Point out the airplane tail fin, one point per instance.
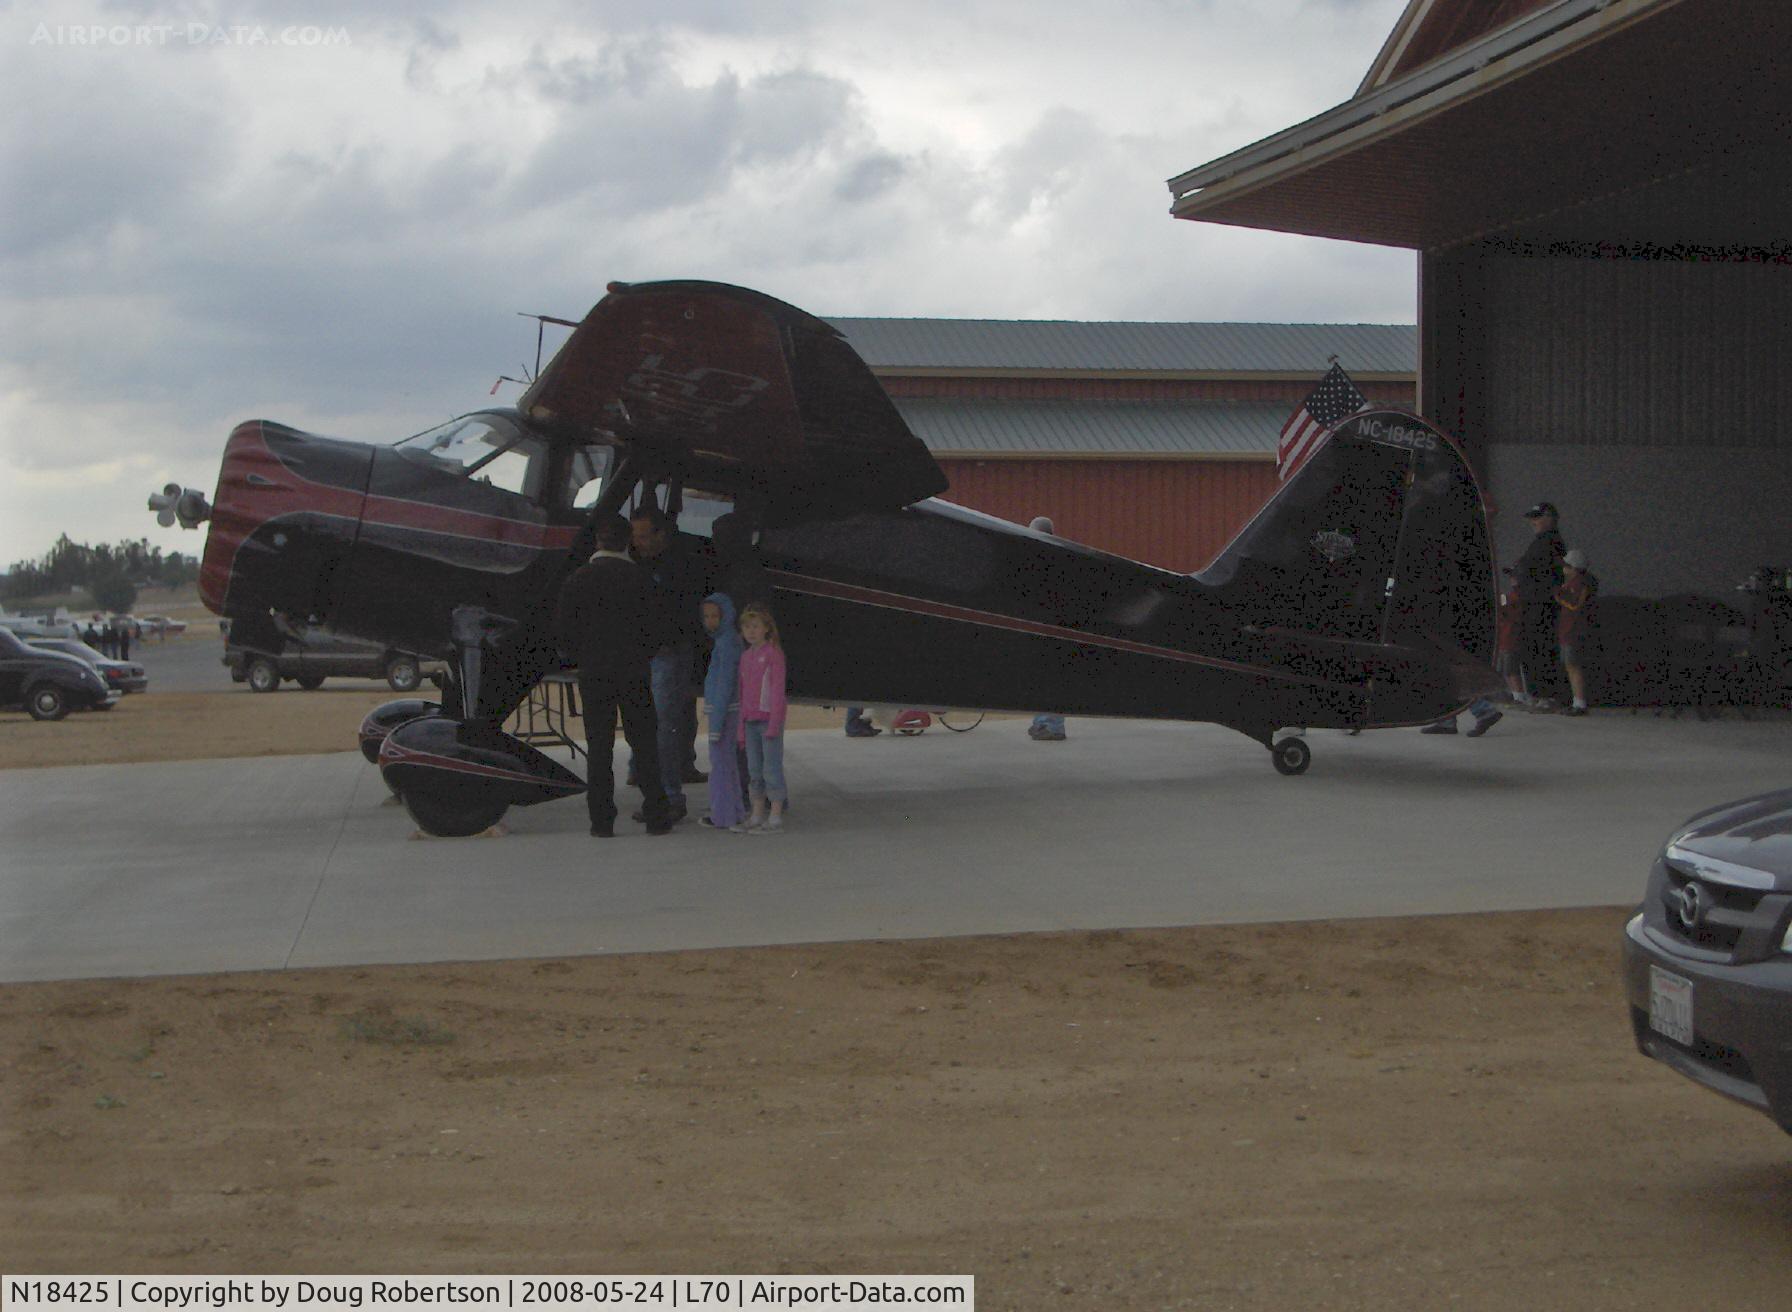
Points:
(1381, 536)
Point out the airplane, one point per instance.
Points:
(1360, 596)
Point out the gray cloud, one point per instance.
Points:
(210, 237)
(93, 144)
(869, 177)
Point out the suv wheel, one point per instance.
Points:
(310, 682)
(403, 673)
(46, 702)
(263, 675)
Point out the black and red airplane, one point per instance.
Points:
(1360, 596)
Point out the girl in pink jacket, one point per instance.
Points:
(762, 708)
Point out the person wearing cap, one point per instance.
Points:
(1505, 662)
(1539, 575)
(1578, 589)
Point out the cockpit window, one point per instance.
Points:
(585, 477)
(484, 448)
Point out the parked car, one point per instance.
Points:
(319, 655)
(160, 626)
(1708, 955)
(126, 676)
(23, 627)
(48, 684)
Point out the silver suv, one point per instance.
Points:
(1708, 955)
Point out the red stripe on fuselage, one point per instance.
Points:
(241, 507)
(991, 619)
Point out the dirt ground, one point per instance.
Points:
(1404, 1113)
(1443, 1112)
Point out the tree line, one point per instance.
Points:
(110, 573)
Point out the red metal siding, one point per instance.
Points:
(1450, 27)
(1176, 514)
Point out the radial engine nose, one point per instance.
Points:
(185, 504)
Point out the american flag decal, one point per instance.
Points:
(1327, 406)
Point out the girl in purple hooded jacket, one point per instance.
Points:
(762, 709)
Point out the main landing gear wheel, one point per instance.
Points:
(453, 812)
(1291, 756)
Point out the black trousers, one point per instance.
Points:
(1537, 648)
(602, 696)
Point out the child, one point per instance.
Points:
(1578, 589)
(721, 706)
(762, 708)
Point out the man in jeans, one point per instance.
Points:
(678, 587)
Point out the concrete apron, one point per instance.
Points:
(279, 862)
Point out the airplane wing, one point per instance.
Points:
(734, 390)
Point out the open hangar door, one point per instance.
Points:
(1630, 359)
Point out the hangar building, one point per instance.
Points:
(1151, 440)
(1598, 191)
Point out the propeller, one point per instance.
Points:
(184, 505)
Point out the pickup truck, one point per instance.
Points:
(316, 655)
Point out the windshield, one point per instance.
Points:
(488, 448)
(461, 445)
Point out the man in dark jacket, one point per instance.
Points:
(741, 575)
(607, 622)
(678, 591)
(1539, 575)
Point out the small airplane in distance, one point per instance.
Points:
(1360, 596)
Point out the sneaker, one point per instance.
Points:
(1485, 723)
(773, 825)
(708, 823)
(603, 831)
(863, 731)
(1575, 710)
(693, 775)
(747, 826)
(1442, 726)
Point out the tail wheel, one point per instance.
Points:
(46, 702)
(453, 811)
(263, 675)
(1291, 756)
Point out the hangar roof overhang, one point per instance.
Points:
(1581, 101)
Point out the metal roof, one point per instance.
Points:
(1138, 429)
(1296, 349)
(1568, 105)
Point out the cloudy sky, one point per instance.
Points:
(296, 211)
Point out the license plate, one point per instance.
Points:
(1670, 1006)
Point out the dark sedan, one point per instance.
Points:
(126, 676)
(1708, 956)
(48, 684)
